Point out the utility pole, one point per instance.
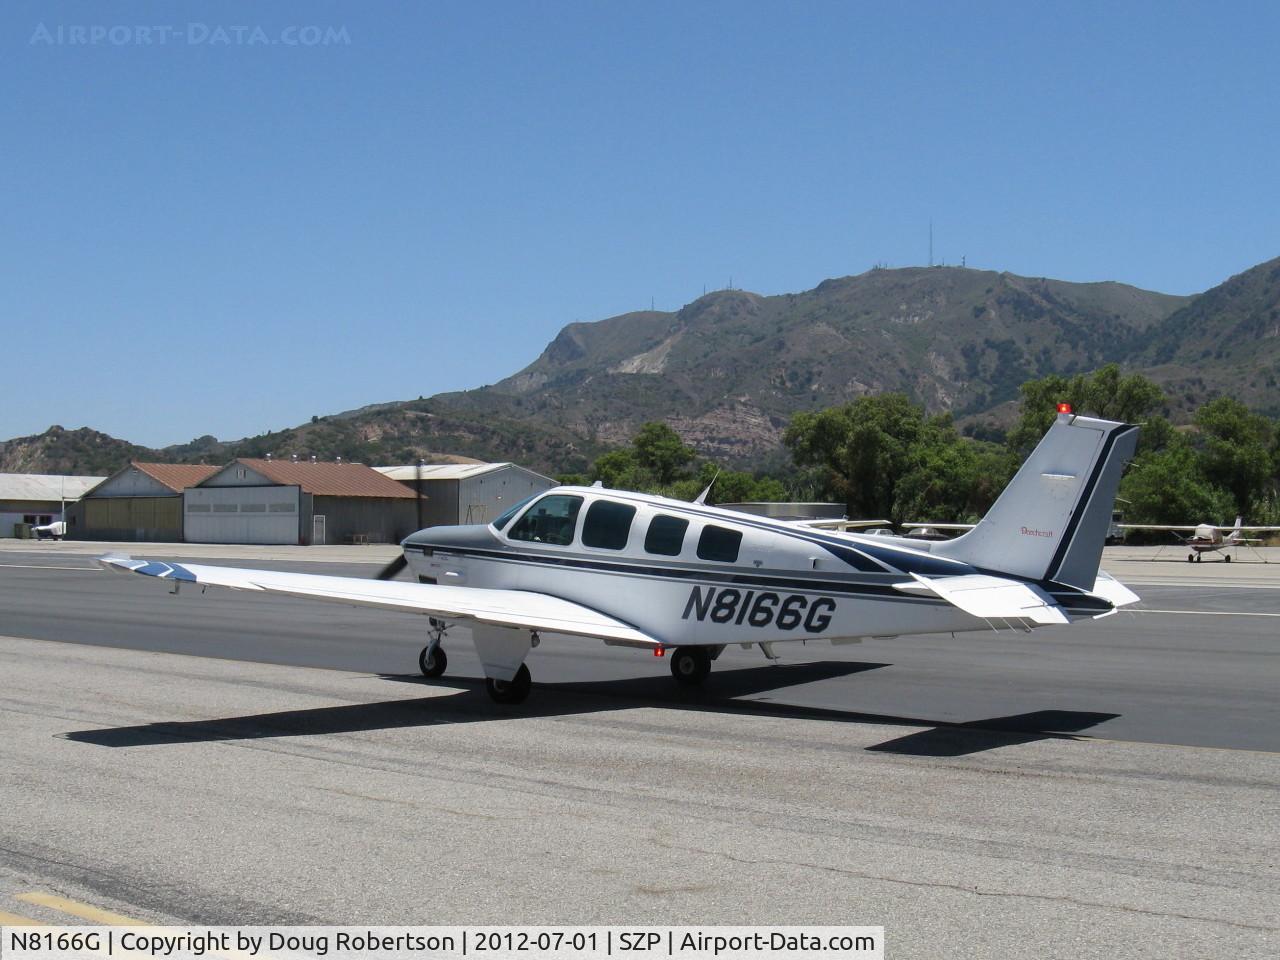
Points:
(931, 241)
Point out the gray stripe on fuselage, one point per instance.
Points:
(700, 576)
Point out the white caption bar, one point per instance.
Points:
(445, 943)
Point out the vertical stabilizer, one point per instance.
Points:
(1051, 521)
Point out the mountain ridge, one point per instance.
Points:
(730, 368)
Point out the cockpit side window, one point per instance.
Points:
(551, 520)
(719, 543)
(666, 535)
(608, 525)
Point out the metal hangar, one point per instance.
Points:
(297, 502)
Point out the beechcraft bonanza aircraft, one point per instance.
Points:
(657, 574)
(1207, 538)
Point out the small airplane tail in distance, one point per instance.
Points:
(1050, 523)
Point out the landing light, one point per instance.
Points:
(659, 651)
(1064, 408)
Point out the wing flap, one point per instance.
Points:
(521, 609)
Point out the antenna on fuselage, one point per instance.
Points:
(701, 499)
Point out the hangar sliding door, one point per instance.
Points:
(241, 515)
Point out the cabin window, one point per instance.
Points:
(608, 525)
(666, 535)
(720, 544)
(550, 520)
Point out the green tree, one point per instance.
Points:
(865, 447)
(1169, 487)
(1236, 452)
(885, 458)
(729, 486)
(621, 470)
(1104, 393)
(659, 449)
(952, 479)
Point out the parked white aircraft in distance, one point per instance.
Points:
(1205, 537)
(656, 574)
(50, 531)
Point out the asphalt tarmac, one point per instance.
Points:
(1108, 789)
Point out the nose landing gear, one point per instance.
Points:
(432, 661)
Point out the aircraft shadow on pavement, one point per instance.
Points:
(471, 704)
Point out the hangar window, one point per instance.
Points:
(282, 508)
(253, 508)
(197, 508)
(720, 544)
(226, 508)
(666, 535)
(550, 520)
(608, 525)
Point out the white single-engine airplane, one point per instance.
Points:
(1207, 538)
(50, 531)
(657, 574)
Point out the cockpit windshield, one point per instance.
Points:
(551, 520)
(501, 521)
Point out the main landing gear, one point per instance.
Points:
(514, 690)
(690, 665)
(433, 661)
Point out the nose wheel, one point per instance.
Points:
(432, 661)
(690, 665)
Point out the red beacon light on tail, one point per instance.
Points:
(1064, 408)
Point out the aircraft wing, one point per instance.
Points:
(829, 524)
(521, 609)
(1163, 526)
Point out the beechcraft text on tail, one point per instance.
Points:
(664, 575)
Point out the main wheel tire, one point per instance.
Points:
(1227, 557)
(1190, 557)
(510, 691)
(690, 665)
(435, 664)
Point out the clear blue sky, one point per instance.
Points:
(228, 237)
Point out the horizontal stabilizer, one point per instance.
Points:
(991, 598)
(1113, 591)
(520, 609)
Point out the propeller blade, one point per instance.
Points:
(392, 569)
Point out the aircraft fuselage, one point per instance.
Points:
(783, 583)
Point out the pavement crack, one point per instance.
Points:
(959, 888)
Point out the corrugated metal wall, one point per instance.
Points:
(360, 519)
(481, 499)
(441, 505)
(149, 519)
(239, 514)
